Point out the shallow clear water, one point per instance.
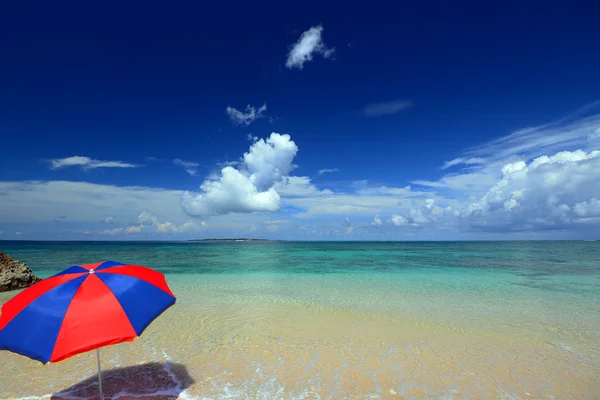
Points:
(359, 319)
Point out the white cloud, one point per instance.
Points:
(60, 218)
(398, 220)
(189, 166)
(565, 134)
(149, 223)
(341, 204)
(36, 201)
(327, 170)
(310, 43)
(555, 191)
(88, 163)
(349, 225)
(386, 108)
(115, 231)
(251, 187)
(277, 222)
(466, 161)
(250, 115)
(425, 213)
(299, 186)
(406, 191)
(473, 182)
(133, 229)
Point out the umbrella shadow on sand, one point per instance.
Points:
(151, 381)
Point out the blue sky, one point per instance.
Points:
(400, 122)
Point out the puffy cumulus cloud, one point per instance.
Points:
(133, 229)
(386, 108)
(551, 192)
(115, 231)
(145, 218)
(554, 194)
(189, 166)
(87, 163)
(425, 213)
(480, 167)
(377, 221)
(398, 220)
(310, 42)
(149, 223)
(299, 186)
(268, 161)
(249, 115)
(250, 187)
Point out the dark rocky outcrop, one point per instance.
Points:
(14, 274)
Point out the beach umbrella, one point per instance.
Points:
(83, 308)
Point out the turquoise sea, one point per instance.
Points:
(535, 302)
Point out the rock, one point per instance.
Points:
(14, 274)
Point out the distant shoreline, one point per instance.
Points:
(234, 240)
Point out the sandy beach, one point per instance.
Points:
(270, 350)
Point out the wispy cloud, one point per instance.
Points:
(310, 42)
(465, 161)
(60, 218)
(386, 108)
(274, 225)
(471, 181)
(189, 166)
(87, 163)
(567, 133)
(250, 115)
(326, 170)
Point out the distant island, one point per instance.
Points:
(233, 240)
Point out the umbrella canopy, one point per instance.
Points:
(83, 308)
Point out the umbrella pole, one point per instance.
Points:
(99, 375)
